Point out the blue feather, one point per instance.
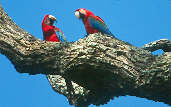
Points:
(100, 26)
(61, 36)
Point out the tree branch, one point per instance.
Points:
(163, 44)
(98, 67)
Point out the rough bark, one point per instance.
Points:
(92, 70)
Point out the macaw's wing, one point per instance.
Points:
(97, 23)
(61, 36)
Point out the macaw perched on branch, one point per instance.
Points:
(93, 24)
(50, 32)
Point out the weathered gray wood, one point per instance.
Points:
(96, 69)
(163, 44)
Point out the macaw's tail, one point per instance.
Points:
(109, 33)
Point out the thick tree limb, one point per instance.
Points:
(97, 68)
(163, 44)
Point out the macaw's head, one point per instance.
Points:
(82, 13)
(49, 20)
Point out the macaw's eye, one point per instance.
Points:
(82, 11)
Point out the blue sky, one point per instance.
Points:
(135, 21)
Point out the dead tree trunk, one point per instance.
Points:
(92, 70)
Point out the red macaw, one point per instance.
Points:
(50, 32)
(93, 24)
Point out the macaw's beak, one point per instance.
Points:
(77, 14)
(51, 22)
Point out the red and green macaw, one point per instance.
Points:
(50, 32)
(93, 24)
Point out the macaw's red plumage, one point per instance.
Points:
(50, 32)
(93, 24)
